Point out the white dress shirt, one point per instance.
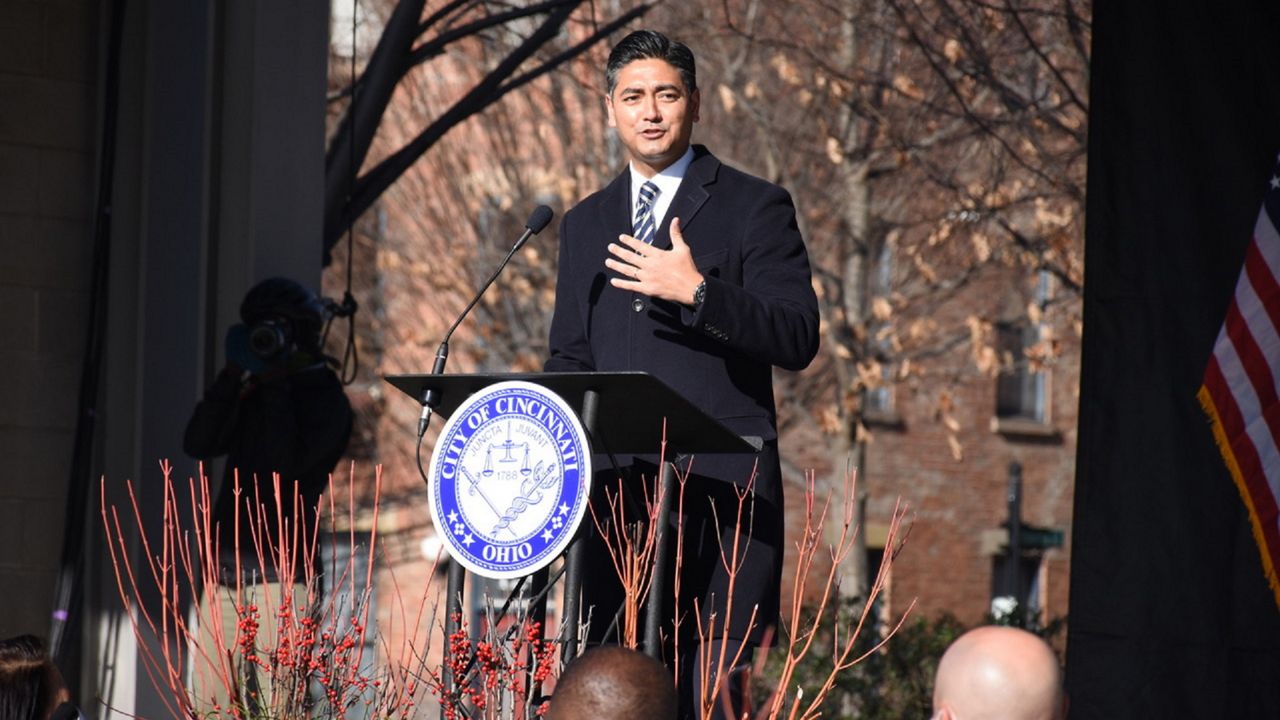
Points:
(668, 181)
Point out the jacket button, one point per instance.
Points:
(637, 305)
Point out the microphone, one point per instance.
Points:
(538, 219)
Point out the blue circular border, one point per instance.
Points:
(470, 418)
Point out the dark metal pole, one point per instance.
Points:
(571, 607)
(658, 587)
(1013, 570)
(453, 618)
(569, 620)
(537, 614)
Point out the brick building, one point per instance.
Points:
(48, 86)
(954, 467)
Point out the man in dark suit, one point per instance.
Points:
(696, 273)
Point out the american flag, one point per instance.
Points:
(1240, 384)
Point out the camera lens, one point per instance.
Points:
(266, 340)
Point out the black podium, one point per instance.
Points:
(623, 413)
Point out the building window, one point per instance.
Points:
(1020, 388)
(878, 400)
(879, 619)
(879, 396)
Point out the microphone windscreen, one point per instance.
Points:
(539, 219)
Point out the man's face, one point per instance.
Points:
(653, 112)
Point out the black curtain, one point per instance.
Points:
(1170, 613)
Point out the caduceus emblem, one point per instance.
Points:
(542, 478)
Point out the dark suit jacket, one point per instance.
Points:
(759, 311)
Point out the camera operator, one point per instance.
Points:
(277, 407)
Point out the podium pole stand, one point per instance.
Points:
(626, 413)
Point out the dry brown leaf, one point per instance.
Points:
(881, 309)
(1047, 216)
(921, 328)
(829, 420)
(940, 233)
(952, 50)
(835, 151)
(945, 402)
(727, 100)
(930, 275)
(786, 69)
(389, 259)
(986, 360)
(981, 246)
(907, 86)
(863, 434)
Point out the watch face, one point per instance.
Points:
(699, 293)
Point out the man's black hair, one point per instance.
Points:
(651, 45)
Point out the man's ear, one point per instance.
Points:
(608, 111)
(695, 103)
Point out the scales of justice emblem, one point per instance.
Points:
(509, 480)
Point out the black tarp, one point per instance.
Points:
(1170, 613)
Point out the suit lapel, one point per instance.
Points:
(691, 196)
(615, 209)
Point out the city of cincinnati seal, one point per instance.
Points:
(509, 480)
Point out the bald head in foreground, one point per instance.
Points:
(998, 673)
(614, 683)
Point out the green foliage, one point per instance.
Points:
(897, 681)
(894, 682)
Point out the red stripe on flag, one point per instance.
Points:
(1272, 415)
(1255, 365)
(1246, 456)
(1263, 282)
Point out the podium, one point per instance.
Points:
(623, 413)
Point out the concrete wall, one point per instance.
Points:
(48, 110)
(219, 184)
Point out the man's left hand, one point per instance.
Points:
(665, 274)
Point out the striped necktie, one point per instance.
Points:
(644, 226)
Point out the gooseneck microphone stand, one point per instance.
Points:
(538, 219)
(430, 399)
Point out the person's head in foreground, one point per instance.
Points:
(31, 688)
(998, 673)
(614, 683)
